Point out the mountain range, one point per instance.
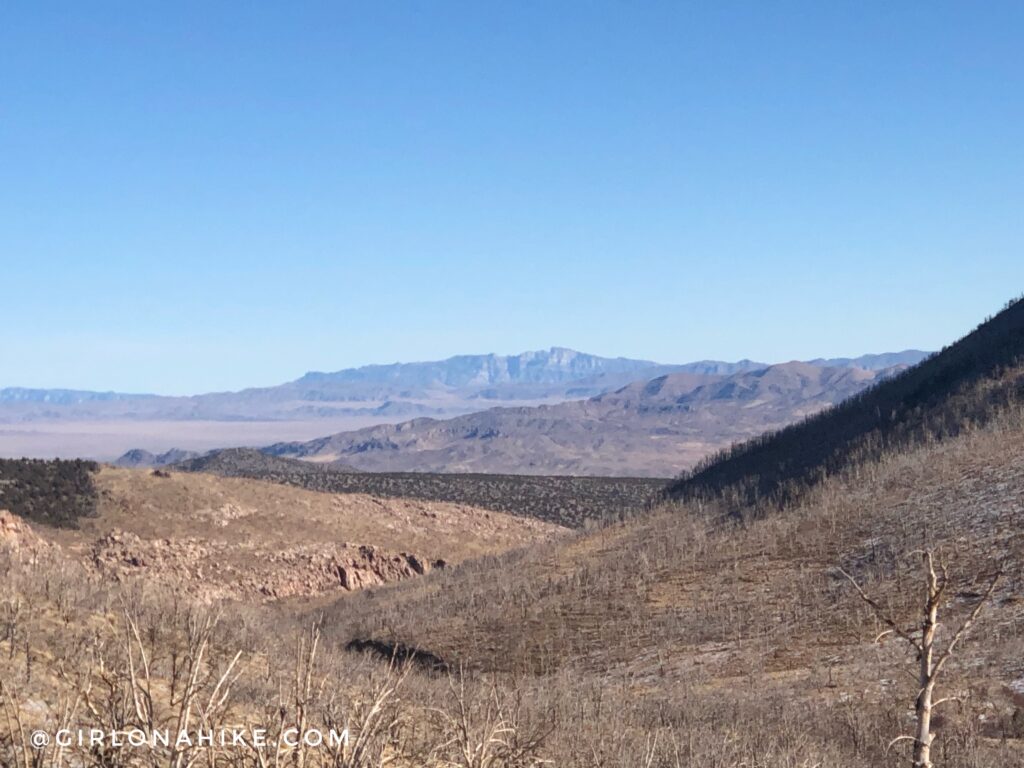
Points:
(455, 385)
(647, 428)
(719, 598)
(458, 384)
(534, 433)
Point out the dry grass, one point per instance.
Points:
(240, 511)
(691, 636)
(696, 613)
(229, 537)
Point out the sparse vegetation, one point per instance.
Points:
(739, 644)
(139, 663)
(704, 633)
(964, 385)
(930, 658)
(565, 500)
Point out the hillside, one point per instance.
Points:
(689, 626)
(665, 641)
(652, 428)
(56, 493)
(966, 384)
(237, 538)
(672, 629)
(568, 501)
(684, 636)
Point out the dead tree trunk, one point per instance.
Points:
(931, 660)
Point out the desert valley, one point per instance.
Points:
(559, 384)
(550, 412)
(526, 619)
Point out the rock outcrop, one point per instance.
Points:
(216, 569)
(17, 535)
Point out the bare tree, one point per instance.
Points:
(488, 732)
(931, 659)
(12, 616)
(370, 718)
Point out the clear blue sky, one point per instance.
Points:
(203, 195)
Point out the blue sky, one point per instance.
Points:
(201, 196)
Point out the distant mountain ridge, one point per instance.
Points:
(965, 385)
(64, 396)
(648, 428)
(37, 421)
(874, 362)
(444, 387)
(137, 458)
(397, 389)
(551, 366)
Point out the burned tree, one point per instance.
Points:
(931, 659)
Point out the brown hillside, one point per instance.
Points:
(694, 617)
(240, 538)
(967, 383)
(683, 638)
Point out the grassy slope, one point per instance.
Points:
(672, 583)
(697, 615)
(240, 511)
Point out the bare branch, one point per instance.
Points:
(968, 622)
(880, 613)
(897, 740)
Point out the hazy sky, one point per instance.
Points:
(199, 196)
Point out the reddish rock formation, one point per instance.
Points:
(216, 569)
